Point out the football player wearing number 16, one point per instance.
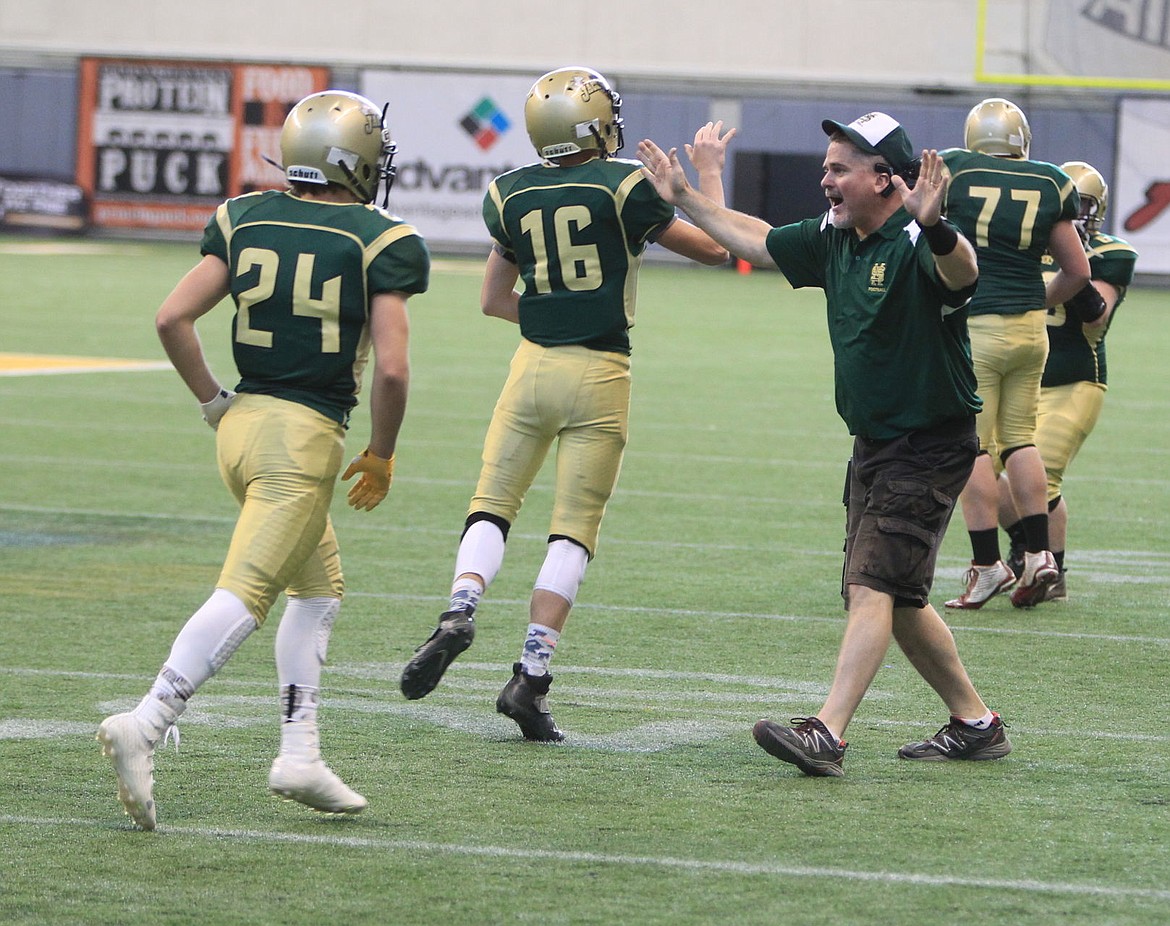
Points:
(573, 227)
(317, 274)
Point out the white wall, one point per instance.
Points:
(921, 42)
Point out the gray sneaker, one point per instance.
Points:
(957, 740)
(525, 700)
(454, 634)
(809, 745)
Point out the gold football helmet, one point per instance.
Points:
(1094, 193)
(573, 109)
(999, 127)
(338, 137)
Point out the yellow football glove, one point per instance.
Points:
(377, 473)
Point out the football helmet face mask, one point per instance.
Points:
(1093, 190)
(998, 127)
(338, 137)
(573, 109)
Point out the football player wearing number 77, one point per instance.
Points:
(573, 227)
(1013, 210)
(318, 274)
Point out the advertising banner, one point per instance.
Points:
(264, 95)
(1139, 207)
(161, 144)
(38, 202)
(455, 133)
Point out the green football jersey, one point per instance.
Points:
(1007, 208)
(1077, 354)
(302, 275)
(577, 234)
(902, 356)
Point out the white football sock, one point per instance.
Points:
(302, 640)
(208, 639)
(563, 569)
(481, 552)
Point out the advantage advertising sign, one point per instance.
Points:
(161, 144)
(455, 133)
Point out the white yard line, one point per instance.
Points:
(715, 866)
(685, 716)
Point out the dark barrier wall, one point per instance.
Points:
(1058, 135)
(38, 110)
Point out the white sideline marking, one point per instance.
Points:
(1144, 567)
(43, 729)
(719, 866)
(57, 248)
(129, 366)
(655, 736)
(470, 268)
(464, 704)
(802, 618)
(383, 670)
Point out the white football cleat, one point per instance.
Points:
(128, 740)
(299, 774)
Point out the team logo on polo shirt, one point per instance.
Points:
(877, 277)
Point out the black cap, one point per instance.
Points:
(877, 133)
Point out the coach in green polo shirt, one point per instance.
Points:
(897, 278)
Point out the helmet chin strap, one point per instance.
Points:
(367, 197)
(602, 151)
(601, 148)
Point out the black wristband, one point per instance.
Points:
(942, 237)
(1087, 305)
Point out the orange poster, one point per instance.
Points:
(162, 143)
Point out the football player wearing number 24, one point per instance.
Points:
(573, 228)
(317, 274)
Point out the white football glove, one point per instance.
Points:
(215, 409)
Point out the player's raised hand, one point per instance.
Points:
(709, 150)
(377, 474)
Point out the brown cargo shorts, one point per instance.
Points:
(900, 494)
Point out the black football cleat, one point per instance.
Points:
(525, 700)
(454, 634)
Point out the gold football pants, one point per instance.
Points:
(581, 399)
(1067, 416)
(280, 460)
(1008, 353)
